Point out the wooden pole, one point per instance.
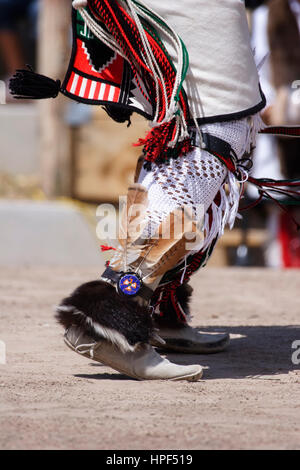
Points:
(55, 136)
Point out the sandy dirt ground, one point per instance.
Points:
(51, 398)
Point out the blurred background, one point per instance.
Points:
(59, 160)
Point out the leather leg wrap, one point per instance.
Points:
(172, 306)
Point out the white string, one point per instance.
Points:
(173, 106)
(177, 44)
(184, 270)
(244, 174)
(152, 65)
(106, 38)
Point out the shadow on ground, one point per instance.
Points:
(254, 351)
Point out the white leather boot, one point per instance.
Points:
(144, 363)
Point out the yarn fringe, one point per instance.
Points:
(134, 32)
(222, 212)
(157, 148)
(26, 84)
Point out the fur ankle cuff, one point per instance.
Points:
(100, 312)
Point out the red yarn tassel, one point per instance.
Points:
(107, 248)
(156, 148)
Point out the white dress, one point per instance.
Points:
(222, 81)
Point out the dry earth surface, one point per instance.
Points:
(51, 398)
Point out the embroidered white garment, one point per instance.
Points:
(222, 77)
(192, 181)
(195, 180)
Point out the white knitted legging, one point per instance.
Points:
(195, 180)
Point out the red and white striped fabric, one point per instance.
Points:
(88, 89)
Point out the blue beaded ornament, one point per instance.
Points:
(129, 284)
